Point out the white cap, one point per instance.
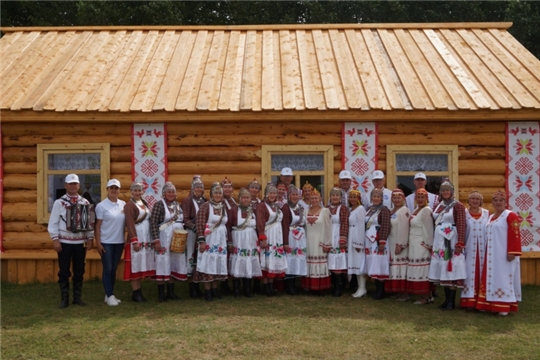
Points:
(345, 174)
(113, 182)
(72, 178)
(377, 175)
(286, 172)
(420, 176)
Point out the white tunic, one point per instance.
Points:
(475, 249)
(337, 257)
(445, 229)
(296, 257)
(244, 260)
(377, 265)
(214, 260)
(273, 258)
(399, 235)
(143, 260)
(503, 276)
(170, 263)
(356, 261)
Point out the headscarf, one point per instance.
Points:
(136, 185)
(168, 186)
(336, 191)
(292, 189)
(216, 188)
(446, 184)
(195, 183)
(270, 187)
(242, 192)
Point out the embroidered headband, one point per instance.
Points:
(270, 187)
(421, 191)
(398, 192)
(476, 193)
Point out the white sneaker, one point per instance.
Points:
(111, 301)
(106, 298)
(503, 313)
(117, 300)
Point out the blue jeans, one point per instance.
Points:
(109, 260)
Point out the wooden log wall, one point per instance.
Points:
(216, 150)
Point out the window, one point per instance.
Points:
(89, 161)
(436, 161)
(312, 163)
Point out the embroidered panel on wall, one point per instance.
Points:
(149, 159)
(359, 153)
(523, 179)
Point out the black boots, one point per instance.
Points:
(170, 292)
(224, 286)
(379, 290)
(77, 292)
(451, 305)
(446, 298)
(216, 294)
(208, 295)
(247, 287)
(193, 293)
(137, 296)
(269, 292)
(236, 288)
(257, 286)
(64, 290)
(338, 285)
(290, 287)
(161, 293)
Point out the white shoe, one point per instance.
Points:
(111, 301)
(116, 299)
(503, 313)
(361, 287)
(106, 298)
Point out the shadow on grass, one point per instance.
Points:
(24, 306)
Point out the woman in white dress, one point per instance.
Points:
(475, 249)
(166, 217)
(295, 235)
(270, 230)
(420, 246)
(447, 259)
(356, 256)
(337, 257)
(212, 240)
(138, 253)
(398, 243)
(500, 286)
(244, 259)
(319, 242)
(377, 231)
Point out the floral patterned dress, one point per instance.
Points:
(273, 259)
(296, 256)
(244, 260)
(170, 264)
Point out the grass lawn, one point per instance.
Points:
(258, 328)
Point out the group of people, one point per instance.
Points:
(405, 245)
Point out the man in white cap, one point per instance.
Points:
(420, 181)
(70, 245)
(345, 184)
(286, 176)
(377, 179)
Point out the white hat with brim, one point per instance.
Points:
(286, 172)
(72, 178)
(377, 175)
(113, 182)
(420, 176)
(345, 174)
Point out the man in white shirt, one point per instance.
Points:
(70, 246)
(420, 181)
(345, 184)
(377, 178)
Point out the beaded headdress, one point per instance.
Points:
(253, 184)
(398, 192)
(216, 188)
(307, 185)
(196, 182)
(421, 191)
(270, 187)
(226, 181)
(315, 192)
(500, 194)
(292, 190)
(136, 185)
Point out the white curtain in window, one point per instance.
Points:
(298, 162)
(421, 162)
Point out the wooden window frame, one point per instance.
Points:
(328, 153)
(450, 150)
(43, 150)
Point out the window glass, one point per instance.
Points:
(421, 162)
(298, 162)
(87, 161)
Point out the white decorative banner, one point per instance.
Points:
(149, 159)
(359, 153)
(523, 179)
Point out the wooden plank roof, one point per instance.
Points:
(370, 67)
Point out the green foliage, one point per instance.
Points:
(524, 14)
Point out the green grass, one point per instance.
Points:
(258, 328)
